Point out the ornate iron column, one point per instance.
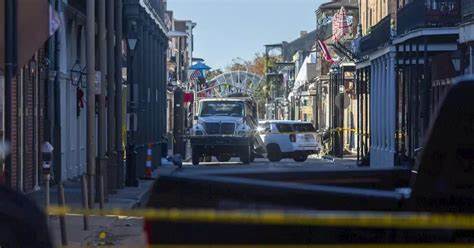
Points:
(132, 34)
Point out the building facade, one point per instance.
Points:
(334, 102)
(405, 65)
(146, 82)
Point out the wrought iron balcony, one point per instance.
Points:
(427, 14)
(324, 32)
(378, 37)
(467, 10)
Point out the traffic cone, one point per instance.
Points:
(149, 159)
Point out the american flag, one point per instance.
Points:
(325, 52)
(195, 75)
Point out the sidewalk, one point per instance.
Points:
(120, 231)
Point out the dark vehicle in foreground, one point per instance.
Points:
(442, 182)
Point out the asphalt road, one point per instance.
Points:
(259, 164)
(285, 163)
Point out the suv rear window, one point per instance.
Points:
(284, 128)
(305, 127)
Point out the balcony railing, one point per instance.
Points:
(324, 31)
(467, 10)
(378, 37)
(428, 13)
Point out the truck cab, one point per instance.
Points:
(224, 128)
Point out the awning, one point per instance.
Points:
(306, 72)
(37, 20)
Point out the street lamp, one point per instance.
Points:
(131, 179)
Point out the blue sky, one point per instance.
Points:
(227, 29)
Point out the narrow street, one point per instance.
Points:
(143, 123)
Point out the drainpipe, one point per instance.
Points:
(91, 139)
(102, 130)
(56, 106)
(111, 122)
(119, 94)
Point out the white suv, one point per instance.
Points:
(289, 139)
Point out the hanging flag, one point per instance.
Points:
(340, 25)
(195, 75)
(54, 20)
(325, 52)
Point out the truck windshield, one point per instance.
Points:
(222, 108)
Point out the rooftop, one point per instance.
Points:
(303, 43)
(337, 4)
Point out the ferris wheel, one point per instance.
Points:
(231, 83)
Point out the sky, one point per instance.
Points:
(229, 29)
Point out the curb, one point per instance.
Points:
(144, 196)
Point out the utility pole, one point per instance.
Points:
(11, 56)
(111, 170)
(102, 145)
(118, 92)
(90, 58)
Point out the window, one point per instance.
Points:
(284, 128)
(222, 108)
(304, 127)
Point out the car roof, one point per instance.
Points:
(284, 122)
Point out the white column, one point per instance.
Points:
(387, 105)
(386, 102)
(380, 111)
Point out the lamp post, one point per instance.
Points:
(131, 178)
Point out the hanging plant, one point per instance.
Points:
(80, 100)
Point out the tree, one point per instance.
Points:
(213, 73)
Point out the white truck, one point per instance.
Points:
(224, 128)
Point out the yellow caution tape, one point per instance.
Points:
(346, 219)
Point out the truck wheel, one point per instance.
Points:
(274, 153)
(223, 158)
(245, 157)
(300, 158)
(196, 156)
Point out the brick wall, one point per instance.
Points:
(14, 132)
(32, 134)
